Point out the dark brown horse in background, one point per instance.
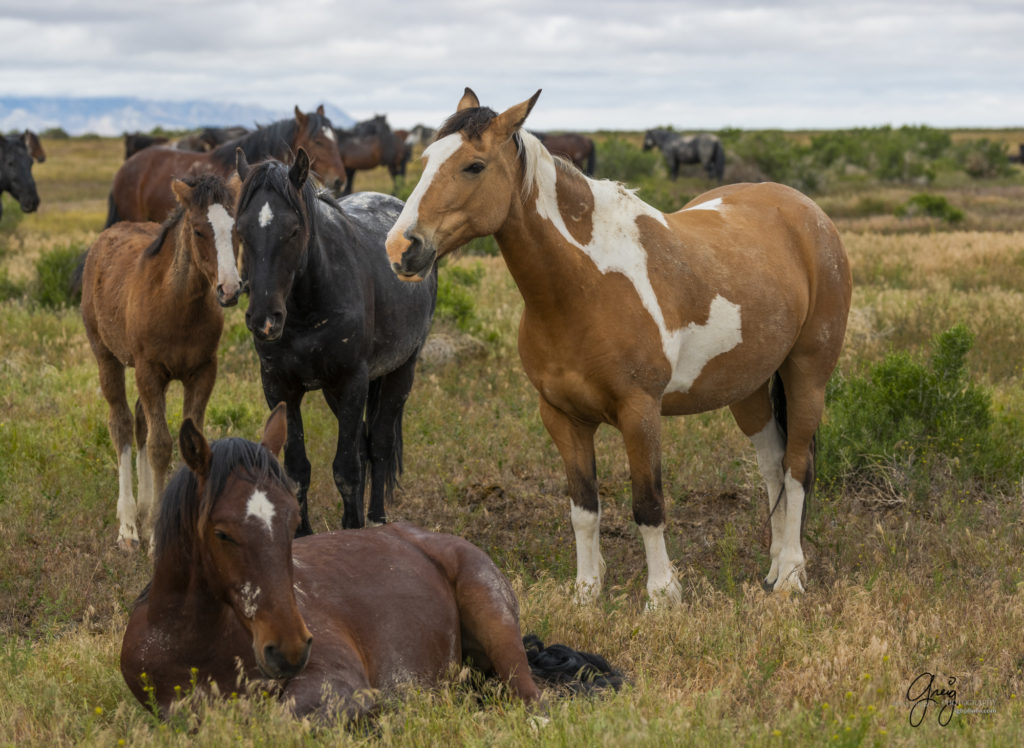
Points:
(141, 190)
(367, 145)
(137, 141)
(576, 148)
(151, 298)
(332, 618)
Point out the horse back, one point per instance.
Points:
(142, 185)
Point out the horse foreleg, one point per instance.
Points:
(348, 402)
(119, 423)
(575, 442)
(198, 388)
(640, 424)
(152, 383)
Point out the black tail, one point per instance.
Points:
(591, 160)
(112, 215)
(564, 667)
(718, 159)
(778, 398)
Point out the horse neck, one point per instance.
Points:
(186, 278)
(179, 591)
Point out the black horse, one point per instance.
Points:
(678, 149)
(327, 312)
(16, 155)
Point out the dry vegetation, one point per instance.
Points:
(895, 589)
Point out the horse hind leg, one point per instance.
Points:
(143, 466)
(385, 406)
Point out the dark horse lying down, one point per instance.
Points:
(16, 155)
(327, 313)
(330, 617)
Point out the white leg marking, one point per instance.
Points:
(128, 534)
(589, 564)
(227, 269)
(770, 451)
(791, 557)
(259, 506)
(266, 215)
(435, 155)
(662, 586)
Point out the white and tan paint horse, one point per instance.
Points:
(631, 314)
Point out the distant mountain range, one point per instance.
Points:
(116, 115)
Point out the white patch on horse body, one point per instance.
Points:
(436, 154)
(715, 204)
(266, 215)
(328, 133)
(589, 564)
(250, 595)
(227, 268)
(615, 247)
(259, 506)
(662, 585)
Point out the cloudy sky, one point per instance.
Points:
(623, 64)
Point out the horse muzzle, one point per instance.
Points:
(29, 204)
(226, 296)
(411, 257)
(279, 662)
(268, 327)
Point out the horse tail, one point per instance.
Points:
(591, 159)
(75, 281)
(777, 393)
(112, 214)
(563, 667)
(718, 158)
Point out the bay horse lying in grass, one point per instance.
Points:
(327, 313)
(17, 153)
(151, 298)
(576, 148)
(330, 617)
(141, 189)
(631, 314)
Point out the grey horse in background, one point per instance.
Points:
(677, 148)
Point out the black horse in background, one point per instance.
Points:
(327, 313)
(17, 153)
(678, 149)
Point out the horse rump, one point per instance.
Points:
(563, 667)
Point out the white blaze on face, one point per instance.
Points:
(259, 506)
(615, 247)
(266, 215)
(435, 155)
(227, 270)
(328, 133)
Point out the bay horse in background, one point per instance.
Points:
(677, 149)
(210, 137)
(17, 152)
(327, 313)
(151, 298)
(740, 299)
(136, 141)
(576, 148)
(402, 154)
(367, 145)
(141, 189)
(329, 619)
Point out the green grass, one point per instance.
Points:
(894, 588)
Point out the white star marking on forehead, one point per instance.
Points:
(259, 506)
(266, 215)
(328, 132)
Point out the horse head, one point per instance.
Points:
(466, 189)
(209, 207)
(316, 136)
(274, 227)
(16, 171)
(246, 522)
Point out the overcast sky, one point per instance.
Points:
(624, 64)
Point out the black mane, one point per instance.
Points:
(472, 122)
(271, 141)
(182, 507)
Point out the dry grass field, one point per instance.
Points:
(928, 581)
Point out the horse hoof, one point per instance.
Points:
(128, 545)
(767, 586)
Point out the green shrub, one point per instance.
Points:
(908, 413)
(52, 287)
(983, 159)
(934, 206)
(9, 289)
(455, 300)
(621, 161)
(12, 215)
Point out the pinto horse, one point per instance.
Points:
(327, 313)
(329, 617)
(141, 185)
(579, 149)
(151, 298)
(16, 155)
(631, 314)
(705, 149)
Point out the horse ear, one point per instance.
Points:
(241, 163)
(301, 118)
(234, 187)
(320, 111)
(299, 172)
(195, 450)
(275, 432)
(182, 191)
(468, 100)
(34, 146)
(513, 118)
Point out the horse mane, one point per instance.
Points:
(182, 508)
(273, 140)
(207, 189)
(273, 175)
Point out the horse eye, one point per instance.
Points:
(221, 535)
(475, 168)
